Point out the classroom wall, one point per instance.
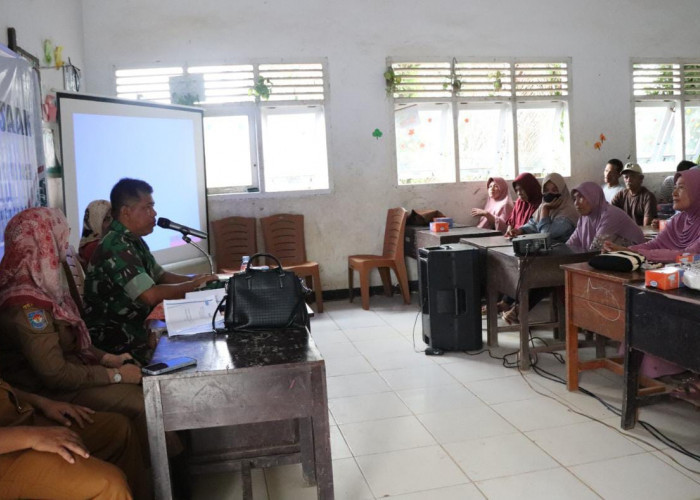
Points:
(356, 37)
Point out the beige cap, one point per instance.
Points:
(632, 167)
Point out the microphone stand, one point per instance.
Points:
(186, 238)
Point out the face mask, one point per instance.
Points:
(550, 197)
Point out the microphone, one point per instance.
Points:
(186, 231)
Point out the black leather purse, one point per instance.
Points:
(264, 299)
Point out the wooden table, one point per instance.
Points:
(249, 378)
(515, 276)
(595, 301)
(662, 323)
(427, 238)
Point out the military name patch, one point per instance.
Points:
(37, 319)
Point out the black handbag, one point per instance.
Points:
(264, 299)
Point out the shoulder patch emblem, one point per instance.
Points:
(37, 319)
(28, 306)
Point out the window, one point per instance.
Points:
(465, 121)
(264, 124)
(666, 113)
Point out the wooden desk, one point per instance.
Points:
(595, 301)
(665, 324)
(428, 238)
(516, 276)
(251, 378)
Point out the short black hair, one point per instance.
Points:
(617, 164)
(684, 165)
(127, 191)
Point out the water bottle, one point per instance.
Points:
(244, 262)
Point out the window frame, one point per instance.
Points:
(678, 95)
(253, 108)
(515, 100)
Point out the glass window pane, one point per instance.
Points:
(655, 128)
(543, 139)
(227, 150)
(424, 143)
(692, 133)
(294, 149)
(485, 142)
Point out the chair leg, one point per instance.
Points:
(351, 286)
(364, 288)
(400, 271)
(385, 274)
(318, 291)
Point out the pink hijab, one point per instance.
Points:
(36, 241)
(500, 208)
(683, 229)
(604, 220)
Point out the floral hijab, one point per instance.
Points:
(36, 241)
(95, 214)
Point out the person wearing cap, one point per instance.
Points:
(611, 175)
(636, 200)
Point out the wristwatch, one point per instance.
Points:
(117, 377)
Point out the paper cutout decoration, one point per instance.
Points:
(377, 133)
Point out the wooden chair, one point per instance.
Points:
(392, 258)
(75, 277)
(234, 237)
(284, 238)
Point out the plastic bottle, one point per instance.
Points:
(244, 262)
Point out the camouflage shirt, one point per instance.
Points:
(120, 270)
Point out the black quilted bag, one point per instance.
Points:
(264, 299)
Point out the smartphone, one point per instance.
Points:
(169, 366)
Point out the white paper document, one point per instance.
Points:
(193, 314)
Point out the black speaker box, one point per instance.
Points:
(450, 295)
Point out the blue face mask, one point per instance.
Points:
(550, 197)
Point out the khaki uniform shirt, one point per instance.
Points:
(13, 412)
(38, 352)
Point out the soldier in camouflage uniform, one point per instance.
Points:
(123, 281)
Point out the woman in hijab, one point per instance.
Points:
(681, 235)
(498, 206)
(601, 221)
(98, 217)
(45, 346)
(682, 231)
(529, 194)
(556, 216)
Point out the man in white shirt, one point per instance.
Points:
(611, 175)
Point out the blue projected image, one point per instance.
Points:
(159, 151)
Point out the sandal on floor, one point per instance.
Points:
(511, 316)
(688, 391)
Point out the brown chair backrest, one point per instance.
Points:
(394, 233)
(234, 237)
(75, 277)
(284, 237)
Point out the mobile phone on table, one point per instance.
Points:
(169, 365)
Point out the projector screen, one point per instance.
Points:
(105, 139)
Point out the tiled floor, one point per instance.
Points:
(408, 426)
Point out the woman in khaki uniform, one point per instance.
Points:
(44, 344)
(40, 459)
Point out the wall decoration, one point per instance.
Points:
(377, 133)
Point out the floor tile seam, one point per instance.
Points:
(362, 473)
(562, 467)
(381, 419)
(352, 395)
(690, 475)
(548, 468)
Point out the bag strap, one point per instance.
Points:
(213, 318)
(280, 269)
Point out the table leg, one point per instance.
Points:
(571, 338)
(524, 317)
(306, 445)
(491, 316)
(321, 435)
(156, 439)
(630, 405)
